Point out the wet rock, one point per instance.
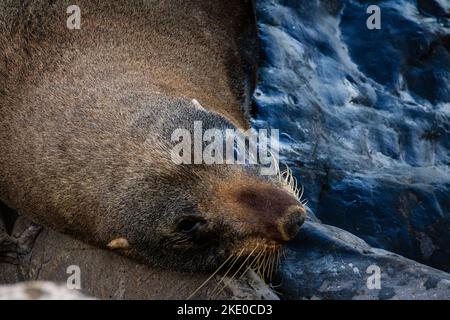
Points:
(440, 8)
(364, 116)
(325, 262)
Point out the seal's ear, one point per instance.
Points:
(197, 105)
(119, 243)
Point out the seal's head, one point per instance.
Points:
(195, 216)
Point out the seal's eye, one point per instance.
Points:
(190, 224)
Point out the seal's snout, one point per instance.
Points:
(294, 217)
(271, 212)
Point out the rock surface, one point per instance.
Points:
(39, 290)
(106, 275)
(364, 116)
(326, 262)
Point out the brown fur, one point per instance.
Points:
(86, 117)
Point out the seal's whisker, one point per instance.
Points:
(237, 271)
(287, 178)
(256, 263)
(278, 260)
(272, 261)
(251, 264)
(210, 277)
(269, 266)
(295, 182)
(276, 163)
(264, 266)
(302, 191)
(229, 269)
(245, 261)
(260, 262)
(266, 262)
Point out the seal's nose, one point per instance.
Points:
(270, 212)
(292, 219)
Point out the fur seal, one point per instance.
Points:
(85, 123)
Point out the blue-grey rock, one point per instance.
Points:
(364, 116)
(326, 262)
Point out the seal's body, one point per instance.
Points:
(86, 117)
